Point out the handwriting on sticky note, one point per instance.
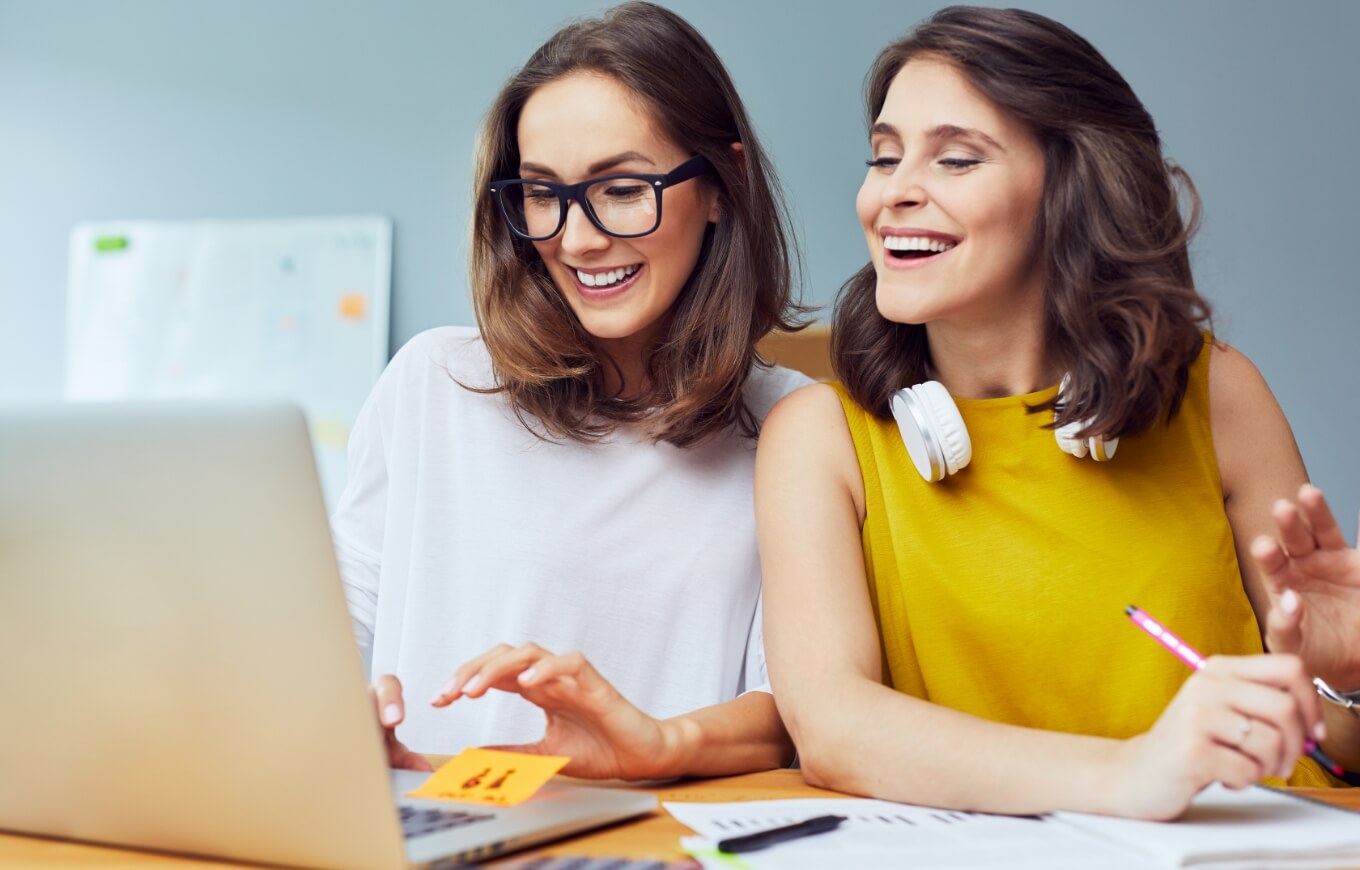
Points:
(490, 776)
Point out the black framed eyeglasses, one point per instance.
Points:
(625, 206)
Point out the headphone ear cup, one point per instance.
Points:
(932, 430)
(1102, 449)
(1068, 441)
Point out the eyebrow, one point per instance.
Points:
(943, 131)
(595, 168)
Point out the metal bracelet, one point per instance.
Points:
(1349, 700)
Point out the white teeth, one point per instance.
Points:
(604, 279)
(916, 243)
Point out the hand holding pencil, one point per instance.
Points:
(1236, 720)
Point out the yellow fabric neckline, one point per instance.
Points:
(1037, 397)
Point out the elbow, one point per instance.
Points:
(821, 767)
(819, 757)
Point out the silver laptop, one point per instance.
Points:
(177, 667)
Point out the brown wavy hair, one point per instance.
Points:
(545, 362)
(1121, 311)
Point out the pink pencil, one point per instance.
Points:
(1186, 653)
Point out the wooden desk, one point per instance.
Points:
(654, 836)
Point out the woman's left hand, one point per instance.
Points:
(603, 733)
(1314, 582)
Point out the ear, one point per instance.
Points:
(715, 211)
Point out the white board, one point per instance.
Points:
(294, 309)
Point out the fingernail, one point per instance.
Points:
(391, 714)
(526, 676)
(1320, 730)
(1289, 602)
(472, 685)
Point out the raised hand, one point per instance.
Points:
(1235, 721)
(1313, 578)
(391, 710)
(587, 719)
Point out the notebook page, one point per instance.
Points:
(1254, 827)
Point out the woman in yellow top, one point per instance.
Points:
(963, 642)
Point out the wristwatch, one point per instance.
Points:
(1349, 700)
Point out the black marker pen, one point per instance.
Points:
(764, 839)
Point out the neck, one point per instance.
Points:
(1000, 355)
(623, 371)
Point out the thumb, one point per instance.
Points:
(1284, 632)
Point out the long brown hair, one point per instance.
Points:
(545, 362)
(1121, 311)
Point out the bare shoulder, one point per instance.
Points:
(810, 417)
(1252, 438)
(807, 437)
(1235, 384)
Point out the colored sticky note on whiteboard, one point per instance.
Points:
(490, 776)
(353, 306)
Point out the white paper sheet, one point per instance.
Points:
(889, 835)
(1252, 828)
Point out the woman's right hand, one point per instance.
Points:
(1235, 721)
(391, 710)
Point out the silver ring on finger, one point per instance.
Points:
(1244, 730)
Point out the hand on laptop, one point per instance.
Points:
(1314, 583)
(391, 709)
(603, 733)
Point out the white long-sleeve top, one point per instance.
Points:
(459, 529)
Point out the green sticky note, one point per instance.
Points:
(104, 244)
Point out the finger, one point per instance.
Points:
(572, 664)
(387, 700)
(1295, 535)
(1284, 623)
(400, 757)
(1285, 673)
(1226, 765)
(1319, 516)
(453, 688)
(537, 748)
(1257, 739)
(503, 672)
(1270, 557)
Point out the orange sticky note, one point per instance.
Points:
(353, 306)
(489, 776)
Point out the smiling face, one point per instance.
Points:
(950, 200)
(585, 125)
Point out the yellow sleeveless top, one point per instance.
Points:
(1000, 591)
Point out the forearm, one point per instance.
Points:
(865, 738)
(739, 736)
(1343, 735)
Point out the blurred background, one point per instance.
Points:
(164, 110)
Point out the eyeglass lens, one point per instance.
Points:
(626, 206)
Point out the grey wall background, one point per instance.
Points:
(162, 109)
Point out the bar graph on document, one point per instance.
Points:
(891, 835)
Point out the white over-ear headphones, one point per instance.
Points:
(938, 442)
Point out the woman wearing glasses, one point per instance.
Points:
(561, 501)
(1032, 433)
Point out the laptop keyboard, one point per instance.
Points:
(419, 821)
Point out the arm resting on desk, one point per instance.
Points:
(607, 737)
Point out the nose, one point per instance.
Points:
(580, 236)
(903, 189)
